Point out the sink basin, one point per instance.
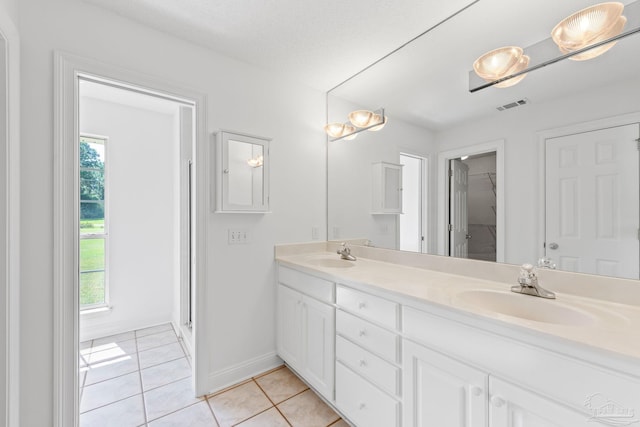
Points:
(527, 307)
(331, 263)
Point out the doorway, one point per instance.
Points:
(472, 213)
(413, 220)
(471, 202)
(135, 242)
(69, 71)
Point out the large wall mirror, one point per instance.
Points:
(546, 168)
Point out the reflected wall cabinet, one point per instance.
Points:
(242, 173)
(386, 188)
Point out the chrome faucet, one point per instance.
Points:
(528, 284)
(345, 252)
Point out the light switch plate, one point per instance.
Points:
(238, 236)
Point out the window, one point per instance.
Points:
(93, 223)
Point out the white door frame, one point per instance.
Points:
(67, 70)
(426, 244)
(608, 122)
(443, 191)
(10, 409)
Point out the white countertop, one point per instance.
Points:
(608, 326)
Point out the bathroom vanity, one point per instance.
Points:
(392, 340)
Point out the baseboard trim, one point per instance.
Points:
(239, 372)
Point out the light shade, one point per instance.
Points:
(361, 118)
(597, 51)
(589, 26)
(377, 118)
(335, 130)
(521, 65)
(497, 63)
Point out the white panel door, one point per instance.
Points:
(319, 345)
(289, 317)
(592, 207)
(458, 210)
(512, 406)
(439, 391)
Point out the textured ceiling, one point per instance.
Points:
(318, 43)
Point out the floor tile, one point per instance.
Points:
(238, 404)
(270, 418)
(158, 355)
(124, 413)
(281, 384)
(169, 398)
(165, 373)
(154, 330)
(111, 368)
(307, 410)
(198, 415)
(111, 350)
(340, 423)
(156, 340)
(125, 336)
(110, 391)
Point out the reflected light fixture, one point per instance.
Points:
(256, 162)
(588, 26)
(359, 120)
(502, 62)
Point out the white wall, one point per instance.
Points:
(519, 128)
(4, 279)
(142, 156)
(241, 305)
(350, 176)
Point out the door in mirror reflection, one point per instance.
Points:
(592, 212)
(413, 220)
(472, 206)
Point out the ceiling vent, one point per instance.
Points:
(513, 104)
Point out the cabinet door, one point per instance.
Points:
(440, 391)
(512, 406)
(319, 345)
(289, 326)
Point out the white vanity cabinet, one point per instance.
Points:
(306, 328)
(518, 385)
(440, 391)
(367, 358)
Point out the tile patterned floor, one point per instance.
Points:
(142, 378)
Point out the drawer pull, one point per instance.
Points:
(362, 332)
(497, 401)
(476, 391)
(362, 362)
(362, 406)
(362, 305)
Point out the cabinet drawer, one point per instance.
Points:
(368, 335)
(363, 403)
(368, 306)
(377, 370)
(315, 287)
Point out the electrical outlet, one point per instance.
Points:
(336, 232)
(315, 233)
(238, 236)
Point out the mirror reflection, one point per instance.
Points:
(543, 169)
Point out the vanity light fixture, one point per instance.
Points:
(359, 120)
(502, 62)
(588, 26)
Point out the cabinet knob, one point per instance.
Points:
(362, 332)
(476, 391)
(362, 406)
(362, 362)
(362, 305)
(497, 401)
